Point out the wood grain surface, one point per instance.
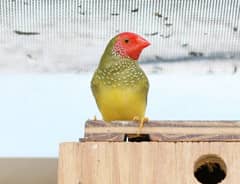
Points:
(166, 131)
(142, 163)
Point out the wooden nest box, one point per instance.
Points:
(168, 152)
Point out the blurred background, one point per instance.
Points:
(60, 36)
(49, 50)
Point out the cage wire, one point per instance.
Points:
(70, 36)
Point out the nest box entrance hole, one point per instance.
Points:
(210, 169)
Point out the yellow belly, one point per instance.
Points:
(121, 104)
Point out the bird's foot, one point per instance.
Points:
(141, 122)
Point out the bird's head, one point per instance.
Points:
(129, 45)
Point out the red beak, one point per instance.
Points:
(142, 42)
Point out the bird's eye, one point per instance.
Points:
(126, 40)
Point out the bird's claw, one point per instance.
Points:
(141, 122)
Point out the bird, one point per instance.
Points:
(119, 85)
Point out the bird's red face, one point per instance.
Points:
(129, 45)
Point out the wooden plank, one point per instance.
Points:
(163, 123)
(145, 162)
(164, 130)
(114, 137)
